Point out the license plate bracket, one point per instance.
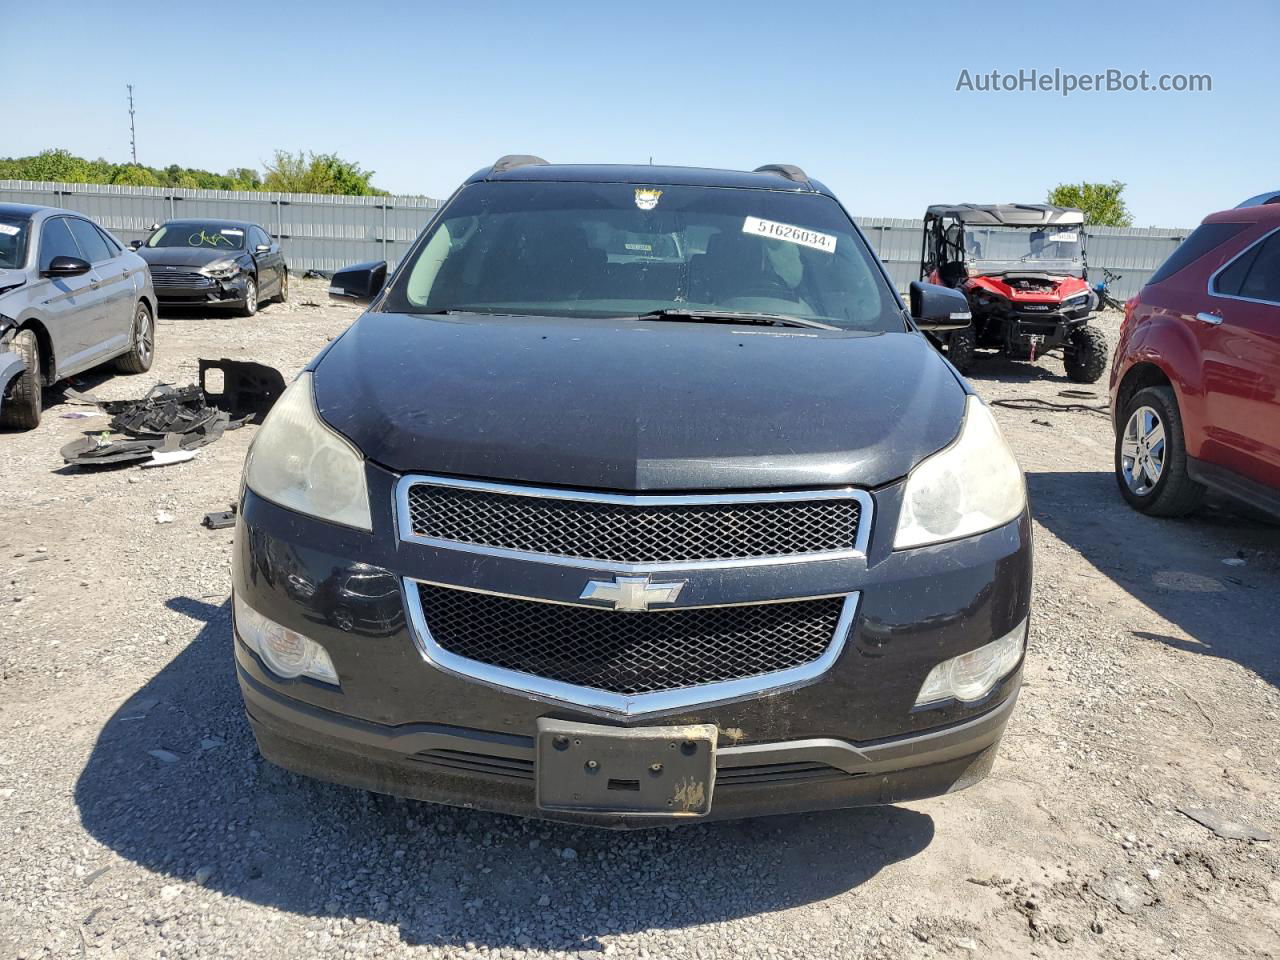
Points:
(664, 771)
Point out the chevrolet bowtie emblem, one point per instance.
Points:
(632, 593)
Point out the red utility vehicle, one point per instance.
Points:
(1022, 268)
(1195, 386)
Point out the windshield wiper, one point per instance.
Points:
(734, 316)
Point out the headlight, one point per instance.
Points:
(221, 269)
(972, 675)
(972, 486)
(286, 653)
(1075, 303)
(298, 462)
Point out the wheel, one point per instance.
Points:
(250, 297)
(961, 345)
(1151, 456)
(283, 295)
(22, 410)
(1086, 355)
(140, 355)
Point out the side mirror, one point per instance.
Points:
(934, 307)
(359, 283)
(263, 248)
(66, 267)
(135, 244)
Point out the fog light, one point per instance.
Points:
(972, 675)
(286, 653)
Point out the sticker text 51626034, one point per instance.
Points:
(791, 234)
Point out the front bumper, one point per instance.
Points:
(196, 289)
(402, 725)
(491, 771)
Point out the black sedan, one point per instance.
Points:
(219, 263)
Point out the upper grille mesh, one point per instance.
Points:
(179, 279)
(630, 653)
(623, 533)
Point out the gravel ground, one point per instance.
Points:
(138, 821)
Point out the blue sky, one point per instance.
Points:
(862, 95)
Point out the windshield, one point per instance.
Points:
(211, 236)
(622, 249)
(13, 242)
(1056, 246)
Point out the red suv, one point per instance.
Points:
(1195, 386)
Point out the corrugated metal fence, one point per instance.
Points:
(328, 232)
(317, 232)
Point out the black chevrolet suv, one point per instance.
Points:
(636, 495)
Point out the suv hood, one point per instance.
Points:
(636, 405)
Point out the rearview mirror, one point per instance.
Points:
(934, 307)
(66, 267)
(263, 248)
(134, 244)
(359, 283)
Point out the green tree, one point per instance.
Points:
(290, 173)
(1101, 202)
(129, 175)
(318, 173)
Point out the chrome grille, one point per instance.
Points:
(639, 530)
(175, 278)
(631, 653)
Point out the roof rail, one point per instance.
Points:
(790, 171)
(513, 160)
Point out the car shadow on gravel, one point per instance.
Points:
(1176, 566)
(175, 784)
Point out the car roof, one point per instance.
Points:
(1266, 213)
(211, 221)
(1271, 196)
(31, 210)
(764, 179)
(1007, 214)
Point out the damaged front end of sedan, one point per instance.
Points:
(12, 365)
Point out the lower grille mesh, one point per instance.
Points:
(630, 653)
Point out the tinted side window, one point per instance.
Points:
(112, 243)
(56, 241)
(94, 247)
(1203, 238)
(1229, 281)
(1263, 280)
(258, 236)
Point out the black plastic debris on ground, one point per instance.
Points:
(248, 389)
(220, 520)
(178, 418)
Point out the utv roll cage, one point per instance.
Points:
(942, 244)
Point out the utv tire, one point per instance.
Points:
(22, 410)
(1086, 355)
(961, 345)
(282, 295)
(1171, 493)
(143, 340)
(251, 300)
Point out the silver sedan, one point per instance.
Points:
(72, 297)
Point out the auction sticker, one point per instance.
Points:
(8, 230)
(785, 231)
(1067, 237)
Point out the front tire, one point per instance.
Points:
(961, 345)
(250, 297)
(1086, 355)
(1151, 456)
(22, 410)
(143, 351)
